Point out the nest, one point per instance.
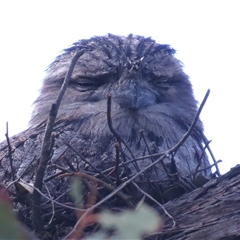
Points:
(55, 205)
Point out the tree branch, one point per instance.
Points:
(46, 150)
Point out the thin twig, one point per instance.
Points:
(200, 158)
(90, 164)
(53, 206)
(45, 149)
(154, 200)
(91, 199)
(203, 169)
(185, 136)
(56, 202)
(211, 153)
(117, 147)
(100, 182)
(10, 152)
(115, 133)
(145, 141)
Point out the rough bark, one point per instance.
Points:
(210, 212)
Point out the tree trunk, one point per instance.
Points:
(210, 212)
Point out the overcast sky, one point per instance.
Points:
(205, 34)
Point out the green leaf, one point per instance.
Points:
(76, 191)
(132, 224)
(10, 227)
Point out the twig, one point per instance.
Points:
(9, 152)
(203, 169)
(145, 141)
(116, 191)
(117, 147)
(211, 153)
(16, 180)
(91, 199)
(201, 157)
(53, 207)
(52, 200)
(115, 133)
(90, 164)
(105, 185)
(69, 164)
(154, 200)
(45, 149)
(185, 136)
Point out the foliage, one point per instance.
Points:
(10, 227)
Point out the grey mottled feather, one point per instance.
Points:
(149, 91)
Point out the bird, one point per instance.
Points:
(152, 107)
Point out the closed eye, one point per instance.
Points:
(162, 81)
(85, 84)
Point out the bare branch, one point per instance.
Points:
(115, 133)
(46, 150)
(9, 152)
(211, 153)
(185, 136)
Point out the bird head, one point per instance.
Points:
(147, 84)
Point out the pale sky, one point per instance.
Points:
(205, 34)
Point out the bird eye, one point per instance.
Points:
(85, 83)
(161, 81)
